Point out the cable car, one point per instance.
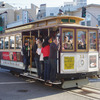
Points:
(77, 58)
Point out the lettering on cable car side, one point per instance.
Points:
(68, 63)
(12, 56)
(6, 55)
(12, 63)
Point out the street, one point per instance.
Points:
(19, 88)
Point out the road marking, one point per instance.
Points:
(3, 83)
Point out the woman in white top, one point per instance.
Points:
(41, 62)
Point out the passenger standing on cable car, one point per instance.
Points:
(26, 54)
(36, 57)
(46, 51)
(53, 59)
(41, 61)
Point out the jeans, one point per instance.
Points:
(42, 69)
(53, 66)
(46, 70)
(26, 62)
(38, 67)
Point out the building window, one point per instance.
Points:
(83, 23)
(45, 14)
(88, 23)
(51, 14)
(17, 17)
(98, 20)
(88, 18)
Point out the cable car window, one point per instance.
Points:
(93, 39)
(1, 43)
(6, 42)
(12, 42)
(81, 38)
(67, 40)
(18, 41)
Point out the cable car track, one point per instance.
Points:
(88, 92)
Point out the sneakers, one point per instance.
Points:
(48, 84)
(56, 82)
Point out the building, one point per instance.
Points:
(69, 6)
(41, 12)
(6, 15)
(11, 16)
(72, 6)
(23, 16)
(80, 3)
(52, 11)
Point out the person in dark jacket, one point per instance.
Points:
(26, 53)
(53, 59)
(36, 57)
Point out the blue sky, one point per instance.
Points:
(50, 3)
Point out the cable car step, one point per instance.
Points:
(34, 76)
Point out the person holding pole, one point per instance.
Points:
(26, 55)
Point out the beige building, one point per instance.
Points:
(23, 16)
(32, 13)
(11, 16)
(6, 15)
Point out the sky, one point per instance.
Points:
(49, 3)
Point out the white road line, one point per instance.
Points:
(3, 83)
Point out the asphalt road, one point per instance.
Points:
(17, 88)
